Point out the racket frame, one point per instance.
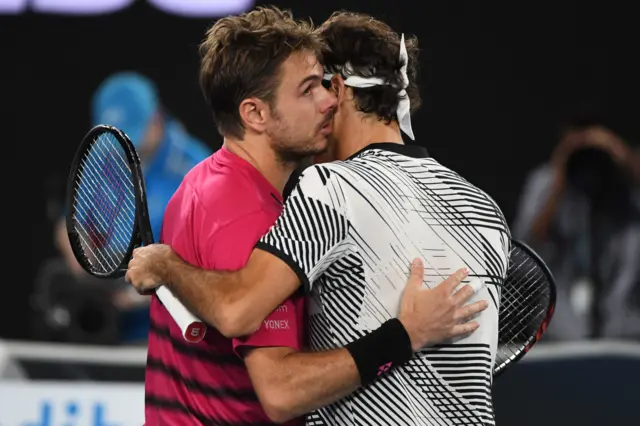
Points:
(193, 330)
(497, 371)
(141, 232)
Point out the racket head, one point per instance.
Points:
(106, 203)
(527, 304)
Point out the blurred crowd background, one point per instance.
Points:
(535, 103)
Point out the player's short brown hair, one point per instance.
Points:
(373, 50)
(242, 58)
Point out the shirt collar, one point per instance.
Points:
(413, 151)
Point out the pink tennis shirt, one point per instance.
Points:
(214, 220)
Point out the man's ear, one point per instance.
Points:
(254, 114)
(338, 88)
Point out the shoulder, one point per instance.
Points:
(220, 198)
(215, 209)
(320, 183)
(224, 208)
(322, 176)
(229, 224)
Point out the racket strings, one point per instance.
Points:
(101, 212)
(104, 204)
(97, 231)
(104, 210)
(518, 303)
(123, 190)
(525, 294)
(525, 301)
(106, 244)
(111, 197)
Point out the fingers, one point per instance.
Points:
(147, 292)
(416, 275)
(144, 284)
(463, 295)
(132, 278)
(471, 310)
(455, 279)
(468, 311)
(146, 287)
(467, 291)
(465, 328)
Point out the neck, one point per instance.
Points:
(363, 130)
(264, 159)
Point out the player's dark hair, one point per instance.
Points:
(373, 50)
(242, 58)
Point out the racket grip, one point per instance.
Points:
(193, 330)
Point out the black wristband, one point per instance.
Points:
(378, 351)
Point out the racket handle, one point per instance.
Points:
(193, 330)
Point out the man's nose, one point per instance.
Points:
(329, 102)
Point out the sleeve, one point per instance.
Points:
(284, 327)
(312, 231)
(228, 248)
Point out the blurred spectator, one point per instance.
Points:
(636, 163)
(130, 102)
(580, 212)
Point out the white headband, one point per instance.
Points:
(404, 106)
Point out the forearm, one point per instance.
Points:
(302, 382)
(237, 302)
(318, 379)
(290, 383)
(201, 291)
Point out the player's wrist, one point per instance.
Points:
(417, 342)
(377, 352)
(168, 269)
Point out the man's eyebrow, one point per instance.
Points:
(312, 77)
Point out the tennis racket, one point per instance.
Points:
(107, 216)
(526, 306)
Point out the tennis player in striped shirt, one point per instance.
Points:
(346, 234)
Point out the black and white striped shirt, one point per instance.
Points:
(350, 230)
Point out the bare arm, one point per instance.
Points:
(290, 384)
(235, 303)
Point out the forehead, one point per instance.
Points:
(300, 65)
